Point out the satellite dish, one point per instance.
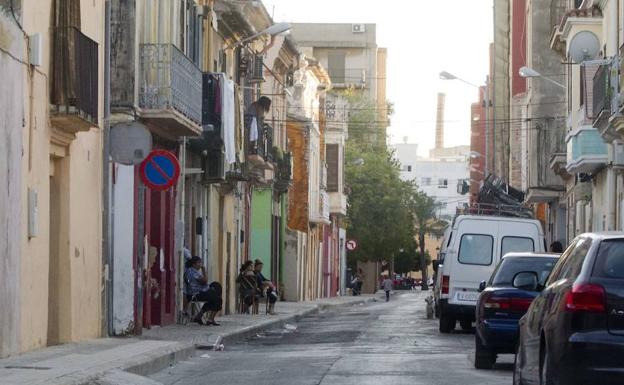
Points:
(130, 143)
(584, 46)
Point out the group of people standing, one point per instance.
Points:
(253, 285)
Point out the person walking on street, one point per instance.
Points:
(387, 286)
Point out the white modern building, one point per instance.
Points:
(437, 177)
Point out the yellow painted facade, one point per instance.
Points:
(61, 267)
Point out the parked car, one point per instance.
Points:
(504, 299)
(573, 332)
(476, 244)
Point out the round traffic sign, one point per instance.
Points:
(160, 170)
(351, 245)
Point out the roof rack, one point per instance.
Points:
(494, 209)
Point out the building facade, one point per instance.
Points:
(52, 278)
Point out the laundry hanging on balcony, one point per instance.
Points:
(228, 118)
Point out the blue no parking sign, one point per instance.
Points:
(160, 170)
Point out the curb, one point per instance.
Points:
(154, 362)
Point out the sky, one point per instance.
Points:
(423, 37)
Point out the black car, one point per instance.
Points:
(504, 299)
(573, 332)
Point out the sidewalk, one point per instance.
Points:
(110, 361)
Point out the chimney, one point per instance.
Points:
(439, 137)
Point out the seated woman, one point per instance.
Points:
(247, 284)
(265, 286)
(197, 289)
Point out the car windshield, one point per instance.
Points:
(509, 267)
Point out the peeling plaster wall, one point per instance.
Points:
(11, 117)
(123, 272)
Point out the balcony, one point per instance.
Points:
(170, 91)
(574, 21)
(75, 81)
(260, 154)
(283, 176)
(586, 152)
(338, 203)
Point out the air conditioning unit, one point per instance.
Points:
(358, 28)
(257, 70)
(617, 158)
(214, 167)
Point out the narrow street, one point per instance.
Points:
(376, 343)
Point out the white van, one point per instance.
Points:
(476, 243)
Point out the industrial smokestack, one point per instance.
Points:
(439, 138)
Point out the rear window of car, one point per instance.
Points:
(509, 267)
(516, 244)
(476, 249)
(610, 259)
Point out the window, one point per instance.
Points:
(516, 244)
(336, 66)
(407, 168)
(610, 260)
(332, 154)
(509, 267)
(569, 258)
(442, 183)
(476, 249)
(426, 181)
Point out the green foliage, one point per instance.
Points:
(366, 127)
(424, 208)
(378, 216)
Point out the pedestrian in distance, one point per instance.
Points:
(387, 286)
(198, 289)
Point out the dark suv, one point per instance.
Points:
(573, 332)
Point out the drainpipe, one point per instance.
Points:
(182, 227)
(107, 233)
(611, 193)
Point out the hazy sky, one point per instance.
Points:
(423, 38)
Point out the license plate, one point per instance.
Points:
(467, 296)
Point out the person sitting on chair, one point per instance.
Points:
(199, 290)
(247, 285)
(265, 286)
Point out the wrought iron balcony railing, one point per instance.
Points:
(170, 90)
(75, 80)
(601, 91)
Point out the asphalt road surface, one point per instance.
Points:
(377, 343)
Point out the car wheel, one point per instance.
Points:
(447, 324)
(546, 373)
(466, 324)
(484, 358)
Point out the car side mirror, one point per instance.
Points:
(482, 286)
(435, 264)
(526, 280)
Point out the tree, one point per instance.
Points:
(407, 260)
(423, 208)
(378, 215)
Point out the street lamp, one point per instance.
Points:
(273, 30)
(527, 72)
(444, 75)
